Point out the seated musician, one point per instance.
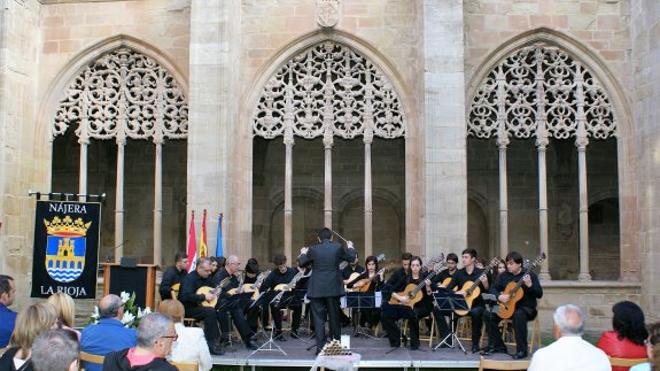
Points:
(525, 309)
(253, 314)
(192, 301)
(390, 313)
(470, 273)
(282, 275)
(400, 273)
(442, 280)
(369, 282)
(349, 269)
(173, 275)
(226, 306)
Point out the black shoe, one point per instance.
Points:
(414, 347)
(520, 355)
(476, 349)
(250, 345)
(395, 345)
(216, 350)
(294, 334)
(279, 336)
(492, 350)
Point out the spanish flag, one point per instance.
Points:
(203, 251)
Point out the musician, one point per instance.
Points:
(253, 314)
(325, 285)
(225, 306)
(399, 274)
(441, 281)
(525, 308)
(192, 303)
(470, 272)
(282, 275)
(251, 271)
(173, 275)
(390, 313)
(369, 317)
(351, 268)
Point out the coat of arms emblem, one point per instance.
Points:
(65, 248)
(327, 13)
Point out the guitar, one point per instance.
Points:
(472, 289)
(414, 291)
(175, 290)
(364, 284)
(213, 291)
(513, 289)
(356, 277)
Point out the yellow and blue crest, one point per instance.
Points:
(66, 248)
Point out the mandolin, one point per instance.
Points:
(513, 289)
(364, 284)
(284, 287)
(472, 289)
(356, 277)
(175, 290)
(414, 291)
(213, 291)
(254, 287)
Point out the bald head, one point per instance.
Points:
(110, 307)
(232, 264)
(569, 321)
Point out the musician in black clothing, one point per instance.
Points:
(351, 268)
(173, 275)
(525, 308)
(253, 314)
(369, 317)
(469, 272)
(225, 306)
(282, 275)
(400, 273)
(390, 313)
(438, 283)
(192, 303)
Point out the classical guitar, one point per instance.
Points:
(216, 291)
(472, 289)
(356, 277)
(513, 289)
(414, 291)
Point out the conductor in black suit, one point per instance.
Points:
(325, 284)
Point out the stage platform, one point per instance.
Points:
(373, 354)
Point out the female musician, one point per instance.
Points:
(392, 312)
(369, 316)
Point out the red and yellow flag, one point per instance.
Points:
(203, 251)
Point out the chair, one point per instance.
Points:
(491, 364)
(509, 335)
(626, 362)
(91, 358)
(185, 366)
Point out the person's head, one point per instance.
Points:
(452, 261)
(501, 267)
(31, 322)
(110, 306)
(356, 260)
(371, 263)
(232, 264)
(415, 265)
(55, 350)
(156, 333)
(514, 262)
(405, 260)
(180, 261)
(173, 309)
(468, 257)
(221, 261)
(325, 234)
(64, 307)
(628, 322)
(214, 264)
(7, 290)
(252, 266)
(280, 263)
(569, 321)
(203, 267)
(653, 344)
(479, 263)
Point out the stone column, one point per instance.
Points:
(368, 204)
(327, 194)
(158, 202)
(502, 143)
(119, 199)
(541, 145)
(581, 142)
(288, 202)
(443, 127)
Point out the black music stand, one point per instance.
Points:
(359, 300)
(229, 301)
(448, 301)
(280, 300)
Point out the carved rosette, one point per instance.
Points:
(329, 90)
(123, 94)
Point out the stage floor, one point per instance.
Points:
(373, 354)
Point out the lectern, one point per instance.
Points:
(140, 279)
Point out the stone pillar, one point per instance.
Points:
(444, 127)
(158, 202)
(581, 142)
(288, 194)
(327, 193)
(542, 145)
(502, 143)
(119, 200)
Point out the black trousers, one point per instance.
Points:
(521, 316)
(322, 309)
(391, 313)
(210, 317)
(237, 316)
(277, 316)
(369, 316)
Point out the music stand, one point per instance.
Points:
(279, 301)
(449, 301)
(359, 300)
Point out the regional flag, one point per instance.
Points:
(192, 245)
(203, 251)
(218, 241)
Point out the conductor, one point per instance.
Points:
(325, 284)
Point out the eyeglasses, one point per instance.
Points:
(175, 337)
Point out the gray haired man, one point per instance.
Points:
(55, 350)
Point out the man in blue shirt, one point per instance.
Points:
(109, 334)
(7, 316)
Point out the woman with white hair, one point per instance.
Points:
(155, 336)
(191, 345)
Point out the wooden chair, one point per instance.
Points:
(491, 364)
(185, 366)
(626, 362)
(509, 335)
(91, 358)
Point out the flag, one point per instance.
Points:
(192, 244)
(218, 241)
(203, 251)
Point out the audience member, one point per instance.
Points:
(627, 338)
(109, 334)
(155, 336)
(7, 316)
(569, 351)
(55, 350)
(191, 345)
(66, 311)
(30, 323)
(652, 351)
